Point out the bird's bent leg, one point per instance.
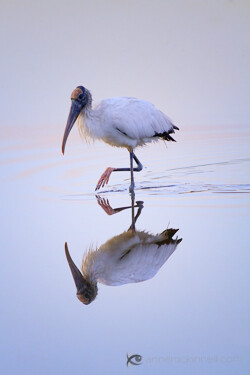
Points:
(104, 179)
(139, 164)
(136, 169)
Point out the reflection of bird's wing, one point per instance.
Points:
(142, 263)
(125, 118)
(129, 258)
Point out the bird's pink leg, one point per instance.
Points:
(104, 179)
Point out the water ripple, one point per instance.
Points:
(188, 188)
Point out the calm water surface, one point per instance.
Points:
(188, 316)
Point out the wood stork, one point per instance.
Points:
(122, 122)
(130, 257)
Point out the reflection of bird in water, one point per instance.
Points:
(121, 122)
(132, 256)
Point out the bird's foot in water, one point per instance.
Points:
(104, 179)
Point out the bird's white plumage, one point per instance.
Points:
(127, 258)
(124, 122)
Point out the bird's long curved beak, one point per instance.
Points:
(74, 112)
(79, 280)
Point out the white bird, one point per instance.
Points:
(131, 257)
(121, 121)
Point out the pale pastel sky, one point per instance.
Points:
(191, 58)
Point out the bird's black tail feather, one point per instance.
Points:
(166, 135)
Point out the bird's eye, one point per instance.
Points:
(80, 96)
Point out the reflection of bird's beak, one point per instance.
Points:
(74, 112)
(79, 280)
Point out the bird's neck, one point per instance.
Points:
(89, 96)
(88, 111)
(93, 265)
(89, 123)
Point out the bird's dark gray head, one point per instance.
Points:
(86, 291)
(87, 294)
(80, 94)
(80, 99)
